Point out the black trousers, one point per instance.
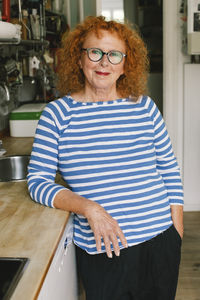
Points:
(148, 271)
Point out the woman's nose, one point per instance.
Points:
(104, 61)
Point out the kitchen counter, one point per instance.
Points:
(27, 229)
(17, 145)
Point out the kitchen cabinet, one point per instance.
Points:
(61, 280)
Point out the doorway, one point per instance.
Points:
(147, 15)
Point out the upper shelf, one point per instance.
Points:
(23, 42)
(9, 41)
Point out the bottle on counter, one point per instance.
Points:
(25, 25)
(35, 24)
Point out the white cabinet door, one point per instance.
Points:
(61, 280)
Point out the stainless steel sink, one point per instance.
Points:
(12, 269)
(14, 168)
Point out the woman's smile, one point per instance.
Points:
(102, 73)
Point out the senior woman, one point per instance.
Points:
(110, 144)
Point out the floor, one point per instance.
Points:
(189, 276)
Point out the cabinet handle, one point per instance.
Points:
(65, 243)
(68, 241)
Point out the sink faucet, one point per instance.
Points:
(2, 150)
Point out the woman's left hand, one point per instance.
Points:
(177, 218)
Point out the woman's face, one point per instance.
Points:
(102, 75)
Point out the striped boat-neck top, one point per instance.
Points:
(117, 153)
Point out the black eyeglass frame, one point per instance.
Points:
(104, 53)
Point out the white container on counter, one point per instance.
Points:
(23, 120)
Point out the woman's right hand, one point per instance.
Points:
(101, 223)
(104, 226)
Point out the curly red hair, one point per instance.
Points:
(134, 80)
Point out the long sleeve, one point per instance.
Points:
(44, 158)
(166, 162)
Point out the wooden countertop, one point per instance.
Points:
(27, 229)
(17, 145)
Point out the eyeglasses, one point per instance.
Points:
(96, 54)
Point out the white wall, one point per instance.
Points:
(173, 80)
(191, 136)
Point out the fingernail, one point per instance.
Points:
(110, 255)
(126, 245)
(118, 253)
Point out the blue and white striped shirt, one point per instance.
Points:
(117, 153)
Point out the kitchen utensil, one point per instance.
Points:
(4, 99)
(27, 92)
